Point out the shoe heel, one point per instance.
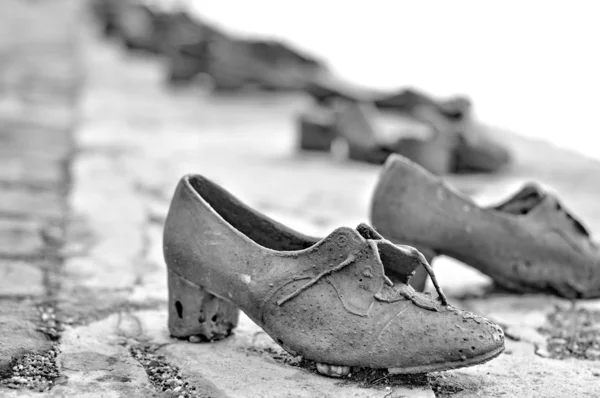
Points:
(196, 314)
(314, 136)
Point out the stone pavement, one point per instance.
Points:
(82, 280)
(39, 82)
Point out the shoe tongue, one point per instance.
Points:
(536, 203)
(368, 232)
(398, 260)
(400, 263)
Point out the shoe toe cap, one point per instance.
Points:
(472, 336)
(426, 341)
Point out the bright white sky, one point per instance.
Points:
(532, 66)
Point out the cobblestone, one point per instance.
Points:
(95, 357)
(20, 279)
(27, 171)
(20, 238)
(21, 202)
(18, 333)
(23, 136)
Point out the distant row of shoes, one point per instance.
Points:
(363, 125)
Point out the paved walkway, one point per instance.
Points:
(39, 84)
(82, 280)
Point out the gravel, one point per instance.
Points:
(49, 324)
(37, 372)
(370, 378)
(573, 333)
(162, 375)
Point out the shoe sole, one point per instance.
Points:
(436, 367)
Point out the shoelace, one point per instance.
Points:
(436, 285)
(370, 233)
(349, 260)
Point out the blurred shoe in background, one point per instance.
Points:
(440, 135)
(140, 25)
(193, 47)
(186, 47)
(235, 63)
(105, 11)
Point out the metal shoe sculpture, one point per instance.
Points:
(328, 300)
(529, 243)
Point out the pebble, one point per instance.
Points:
(195, 339)
(543, 352)
(592, 353)
(558, 340)
(163, 376)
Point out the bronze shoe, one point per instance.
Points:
(529, 243)
(186, 45)
(355, 125)
(233, 63)
(459, 144)
(328, 300)
(474, 150)
(136, 24)
(407, 100)
(105, 12)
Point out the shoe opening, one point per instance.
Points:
(522, 202)
(253, 224)
(529, 198)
